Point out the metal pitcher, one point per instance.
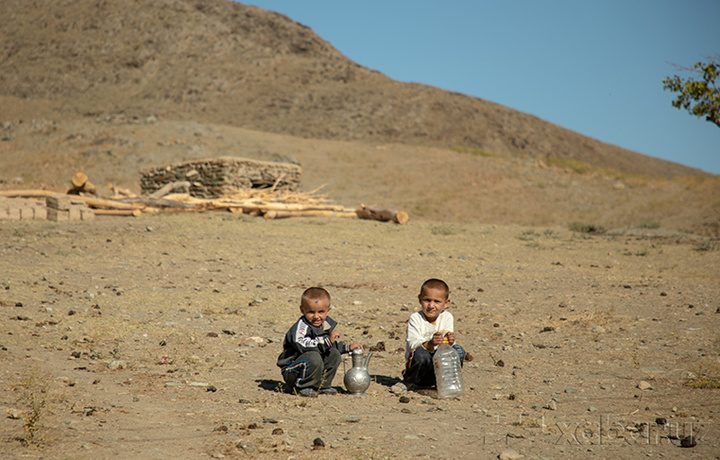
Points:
(357, 379)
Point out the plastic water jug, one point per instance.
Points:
(448, 372)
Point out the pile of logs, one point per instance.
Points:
(271, 203)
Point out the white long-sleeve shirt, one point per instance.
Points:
(420, 330)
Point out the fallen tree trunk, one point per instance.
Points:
(109, 204)
(284, 214)
(28, 193)
(365, 212)
(160, 203)
(170, 188)
(117, 212)
(266, 207)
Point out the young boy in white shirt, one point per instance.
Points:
(426, 330)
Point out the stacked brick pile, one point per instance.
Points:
(21, 209)
(60, 208)
(63, 208)
(223, 176)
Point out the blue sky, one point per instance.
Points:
(595, 67)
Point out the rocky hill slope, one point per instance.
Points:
(222, 62)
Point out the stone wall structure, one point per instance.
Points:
(223, 176)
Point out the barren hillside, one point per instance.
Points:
(222, 62)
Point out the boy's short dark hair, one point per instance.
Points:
(434, 283)
(314, 293)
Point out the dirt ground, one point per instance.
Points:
(156, 337)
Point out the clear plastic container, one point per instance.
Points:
(448, 372)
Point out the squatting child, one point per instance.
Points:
(426, 330)
(311, 351)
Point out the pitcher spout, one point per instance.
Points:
(366, 364)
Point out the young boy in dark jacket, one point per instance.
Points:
(311, 350)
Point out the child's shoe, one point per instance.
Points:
(328, 391)
(307, 392)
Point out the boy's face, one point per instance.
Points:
(433, 302)
(315, 311)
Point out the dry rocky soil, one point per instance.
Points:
(156, 337)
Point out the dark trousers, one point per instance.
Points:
(312, 370)
(419, 369)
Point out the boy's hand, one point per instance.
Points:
(436, 340)
(450, 336)
(356, 345)
(334, 335)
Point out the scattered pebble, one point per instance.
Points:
(398, 389)
(117, 364)
(688, 441)
(598, 329)
(318, 444)
(510, 454)
(644, 385)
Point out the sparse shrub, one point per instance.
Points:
(34, 396)
(704, 378)
(586, 228)
(442, 230)
(706, 246)
(650, 225)
(477, 152)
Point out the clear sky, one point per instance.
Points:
(595, 67)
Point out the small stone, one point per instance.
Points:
(552, 405)
(688, 441)
(398, 389)
(318, 444)
(14, 414)
(117, 364)
(661, 421)
(404, 399)
(592, 409)
(597, 330)
(277, 431)
(644, 385)
(247, 447)
(570, 390)
(510, 454)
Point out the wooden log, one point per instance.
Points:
(79, 179)
(265, 207)
(285, 214)
(28, 193)
(365, 212)
(101, 203)
(160, 203)
(118, 212)
(170, 188)
(81, 184)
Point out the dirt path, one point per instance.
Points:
(156, 337)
